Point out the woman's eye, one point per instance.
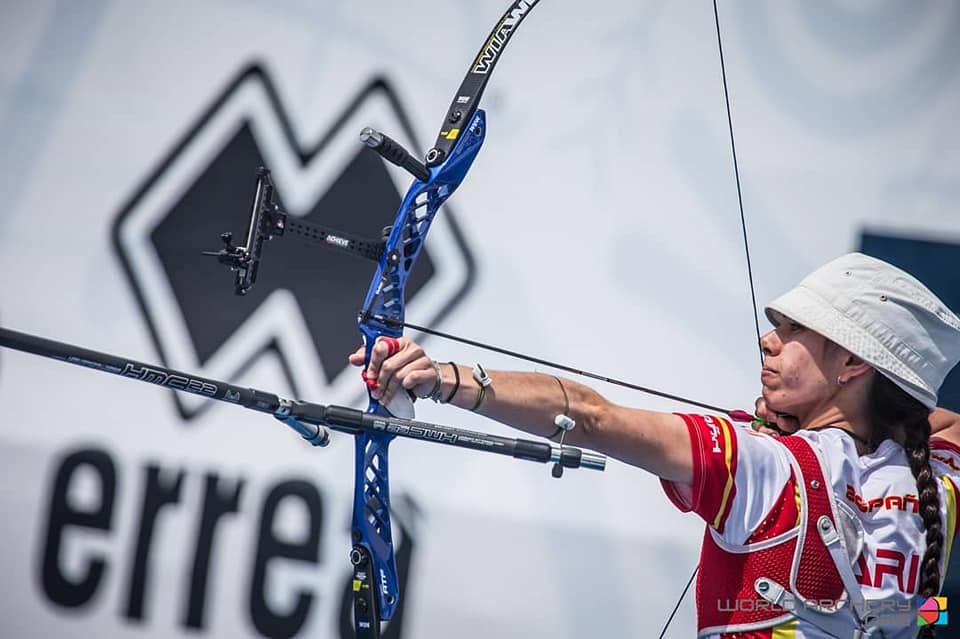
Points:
(795, 327)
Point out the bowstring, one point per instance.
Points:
(545, 362)
(679, 601)
(736, 173)
(746, 249)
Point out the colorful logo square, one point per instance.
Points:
(932, 611)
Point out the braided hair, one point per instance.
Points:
(891, 410)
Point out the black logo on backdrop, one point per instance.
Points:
(303, 309)
(81, 584)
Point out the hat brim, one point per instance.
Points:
(806, 307)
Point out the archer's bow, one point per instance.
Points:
(373, 554)
(375, 583)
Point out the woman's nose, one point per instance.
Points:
(770, 343)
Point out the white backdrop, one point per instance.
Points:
(602, 215)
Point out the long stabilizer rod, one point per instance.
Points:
(306, 418)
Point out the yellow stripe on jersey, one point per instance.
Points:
(796, 495)
(951, 499)
(786, 630)
(728, 460)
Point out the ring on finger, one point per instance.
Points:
(393, 345)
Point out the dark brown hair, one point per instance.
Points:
(892, 410)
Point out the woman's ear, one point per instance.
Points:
(854, 367)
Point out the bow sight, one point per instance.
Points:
(268, 221)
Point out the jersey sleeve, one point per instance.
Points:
(945, 462)
(739, 476)
(948, 454)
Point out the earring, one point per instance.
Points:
(841, 381)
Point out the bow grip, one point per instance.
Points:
(391, 151)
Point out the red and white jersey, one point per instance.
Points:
(745, 490)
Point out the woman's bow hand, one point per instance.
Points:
(396, 364)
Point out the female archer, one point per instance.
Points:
(837, 531)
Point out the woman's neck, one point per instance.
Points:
(835, 416)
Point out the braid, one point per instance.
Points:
(917, 445)
(893, 409)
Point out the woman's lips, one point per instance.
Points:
(767, 372)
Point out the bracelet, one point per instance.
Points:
(563, 421)
(483, 389)
(456, 384)
(434, 392)
(483, 380)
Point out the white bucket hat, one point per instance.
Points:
(881, 314)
